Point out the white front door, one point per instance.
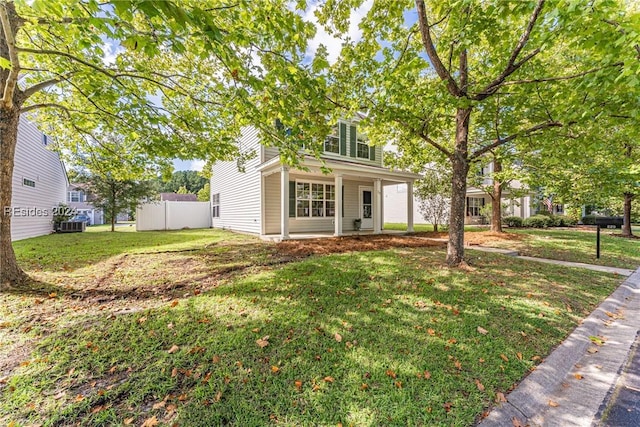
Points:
(366, 207)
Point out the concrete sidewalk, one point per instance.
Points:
(579, 382)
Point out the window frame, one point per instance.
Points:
(215, 205)
(26, 182)
(473, 207)
(309, 200)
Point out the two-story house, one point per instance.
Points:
(272, 199)
(79, 198)
(39, 183)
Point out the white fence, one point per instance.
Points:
(173, 215)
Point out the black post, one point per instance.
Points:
(598, 243)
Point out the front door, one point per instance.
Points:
(366, 207)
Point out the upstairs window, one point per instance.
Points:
(28, 182)
(332, 143)
(76, 196)
(362, 150)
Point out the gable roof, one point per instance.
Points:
(175, 197)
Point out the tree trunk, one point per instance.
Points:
(10, 273)
(626, 226)
(496, 198)
(435, 227)
(460, 163)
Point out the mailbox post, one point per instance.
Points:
(608, 222)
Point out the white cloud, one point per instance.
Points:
(187, 165)
(334, 44)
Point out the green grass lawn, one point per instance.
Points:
(577, 246)
(373, 338)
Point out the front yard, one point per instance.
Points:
(204, 327)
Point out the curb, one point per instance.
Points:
(552, 395)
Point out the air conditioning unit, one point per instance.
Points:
(72, 227)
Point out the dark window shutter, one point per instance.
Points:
(352, 140)
(342, 133)
(372, 153)
(483, 201)
(292, 199)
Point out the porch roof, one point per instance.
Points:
(342, 167)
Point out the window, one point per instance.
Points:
(28, 182)
(215, 204)
(314, 200)
(45, 140)
(474, 204)
(75, 196)
(362, 150)
(332, 143)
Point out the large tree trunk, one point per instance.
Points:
(10, 273)
(460, 163)
(496, 198)
(626, 226)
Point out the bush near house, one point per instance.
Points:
(512, 221)
(562, 221)
(538, 221)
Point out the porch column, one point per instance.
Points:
(410, 207)
(284, 203)
(377, 206)
(339, 208)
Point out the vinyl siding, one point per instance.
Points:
(239, 191)
(308, 225)
(395, 205)
(35, 162)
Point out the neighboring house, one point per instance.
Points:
(395, 207)
(79, 198)
(175, 197)
(39, 183)
(272, 199)
(524, 204)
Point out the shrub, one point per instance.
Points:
(589, 220)
(563, 221)
(537, 221)
(512, 221)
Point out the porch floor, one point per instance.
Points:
(326, 234)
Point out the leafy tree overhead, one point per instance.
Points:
(204, 195)
(115, 196)
(174, 79)
(467, 77)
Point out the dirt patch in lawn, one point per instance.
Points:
(306, 247)
(325, 246)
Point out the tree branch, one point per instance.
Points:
(43, 85)
(501, 141)
(512, 66)
(72, 57)
(560, 78)
(425, 30)
(12, 79)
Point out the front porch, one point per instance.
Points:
(311, 202)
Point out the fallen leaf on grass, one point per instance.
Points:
(519, 356)
(338, 337)
(150, 422)
(458, 365)
(275, 369)
(159, 405)
(364, 386)
(447, 406)
(390, 373)
(142, 319)
(174, 372)
(128, 421)
(173, 349)
(398, 384)
(482, 330)
(263, 342)
(174, 303)
(298, 385)
(329, 379)
(503, 357)
(479, 385)
(500, 398)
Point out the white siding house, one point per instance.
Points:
(39, 183)
(268, 198)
